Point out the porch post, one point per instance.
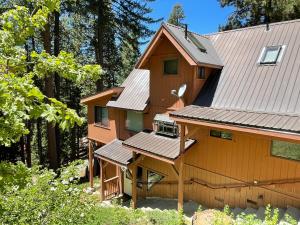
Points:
(180, 169)
(102, 188)
(119, 174)
(134, 182)
(91, 169)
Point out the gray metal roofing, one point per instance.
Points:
(115, 152)
(135, 95)
(210, 57)
(244, 84)
(280, 122)
(156, 144)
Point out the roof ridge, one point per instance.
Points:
(251, 27)
(172, 25)
(251, 111)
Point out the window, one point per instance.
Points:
(221, 134)
(153, 178)
(270, 55)
(286, 150)
(101, 116)
(134, 121)
(139, 176)
(201, 72)
(171, 66)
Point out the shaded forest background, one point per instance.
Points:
(108, 33)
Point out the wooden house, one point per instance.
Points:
(210, 118)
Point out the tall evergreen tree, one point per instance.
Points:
(255, 12)
(177, 15)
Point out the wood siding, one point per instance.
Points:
(218, 162)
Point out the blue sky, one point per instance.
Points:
(202, 16)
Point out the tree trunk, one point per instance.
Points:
(49, 92)
(100, 32)
(22, 149)
(28, 145)
(57, 81)
(39, 140)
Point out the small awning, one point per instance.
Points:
(157, 146)
(115, 153)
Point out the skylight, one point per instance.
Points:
(271, 55)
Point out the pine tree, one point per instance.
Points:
(177, 15)
(255, 12)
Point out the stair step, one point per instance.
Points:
(292, 212)
(249, 211)
(236, 211)
(260, 214)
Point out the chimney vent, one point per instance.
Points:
(186, 31)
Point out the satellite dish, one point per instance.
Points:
(181, 90)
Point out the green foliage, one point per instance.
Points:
(181, 217)
(36, 196)
(254, 12)
(271, 218)
(221, 218)
(290, 220)
(20, 99)
(177, 15)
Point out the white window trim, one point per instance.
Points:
(279, 58)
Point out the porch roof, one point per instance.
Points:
(115, 152)
(157, 145)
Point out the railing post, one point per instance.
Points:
(134, 182)
(102, 185)
(181, 167)
(91, 169)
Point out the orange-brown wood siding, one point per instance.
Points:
(218, 162)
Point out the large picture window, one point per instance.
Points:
(134, 121)
(153, 178)
(171, 67)
(101, 116)
(285, 149)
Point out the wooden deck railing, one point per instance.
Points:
(111, 187)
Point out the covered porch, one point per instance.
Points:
(158, 149)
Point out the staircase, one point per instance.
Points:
(260, 214)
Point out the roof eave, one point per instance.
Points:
(280, 134)
(97, 96)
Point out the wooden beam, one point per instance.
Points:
(137, 161)
(254, 131)
(181, 167)
(134, 182)
(91, 167)
(120, 183)
(102, 184)
(175, 170)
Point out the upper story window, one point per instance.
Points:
(221, 134)
(134, 121)
(201, 72)
(171, 66)
(101, 116)
(271, 54)
(285, 149)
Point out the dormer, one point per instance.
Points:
(174, 57)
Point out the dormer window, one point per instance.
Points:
(171, 67)
(201, 72)
(271, 55)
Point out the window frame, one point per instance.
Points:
(126, 119)
(152, 171)
(163, 65)
(220, 136)
(100, 123)
(279, 48)
(199, 74)
(280, 156)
